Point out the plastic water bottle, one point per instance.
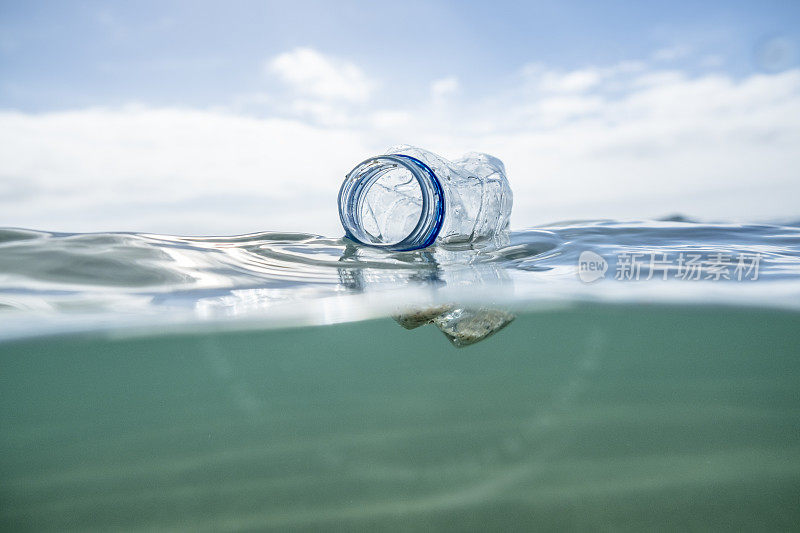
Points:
(410, 198)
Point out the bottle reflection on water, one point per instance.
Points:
(434, 269)
(409, 199)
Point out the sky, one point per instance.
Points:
(220, 118)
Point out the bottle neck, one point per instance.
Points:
(389, 173)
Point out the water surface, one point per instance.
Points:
(74, 282)
(256, 382)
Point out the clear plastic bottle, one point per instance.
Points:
(410, 198)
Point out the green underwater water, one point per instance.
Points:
(592, 417)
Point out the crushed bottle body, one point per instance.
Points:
(411, 198)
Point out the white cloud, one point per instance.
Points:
(562, 82)
(180, 170)
(388, 119)
(600, 142)
(311, 73)
(445, 87)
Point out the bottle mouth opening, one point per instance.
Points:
(392, 201)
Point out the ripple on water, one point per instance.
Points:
(55, 274)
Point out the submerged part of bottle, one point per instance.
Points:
(461, 325)
(411, 198)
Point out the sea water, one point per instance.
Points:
(260, 382)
